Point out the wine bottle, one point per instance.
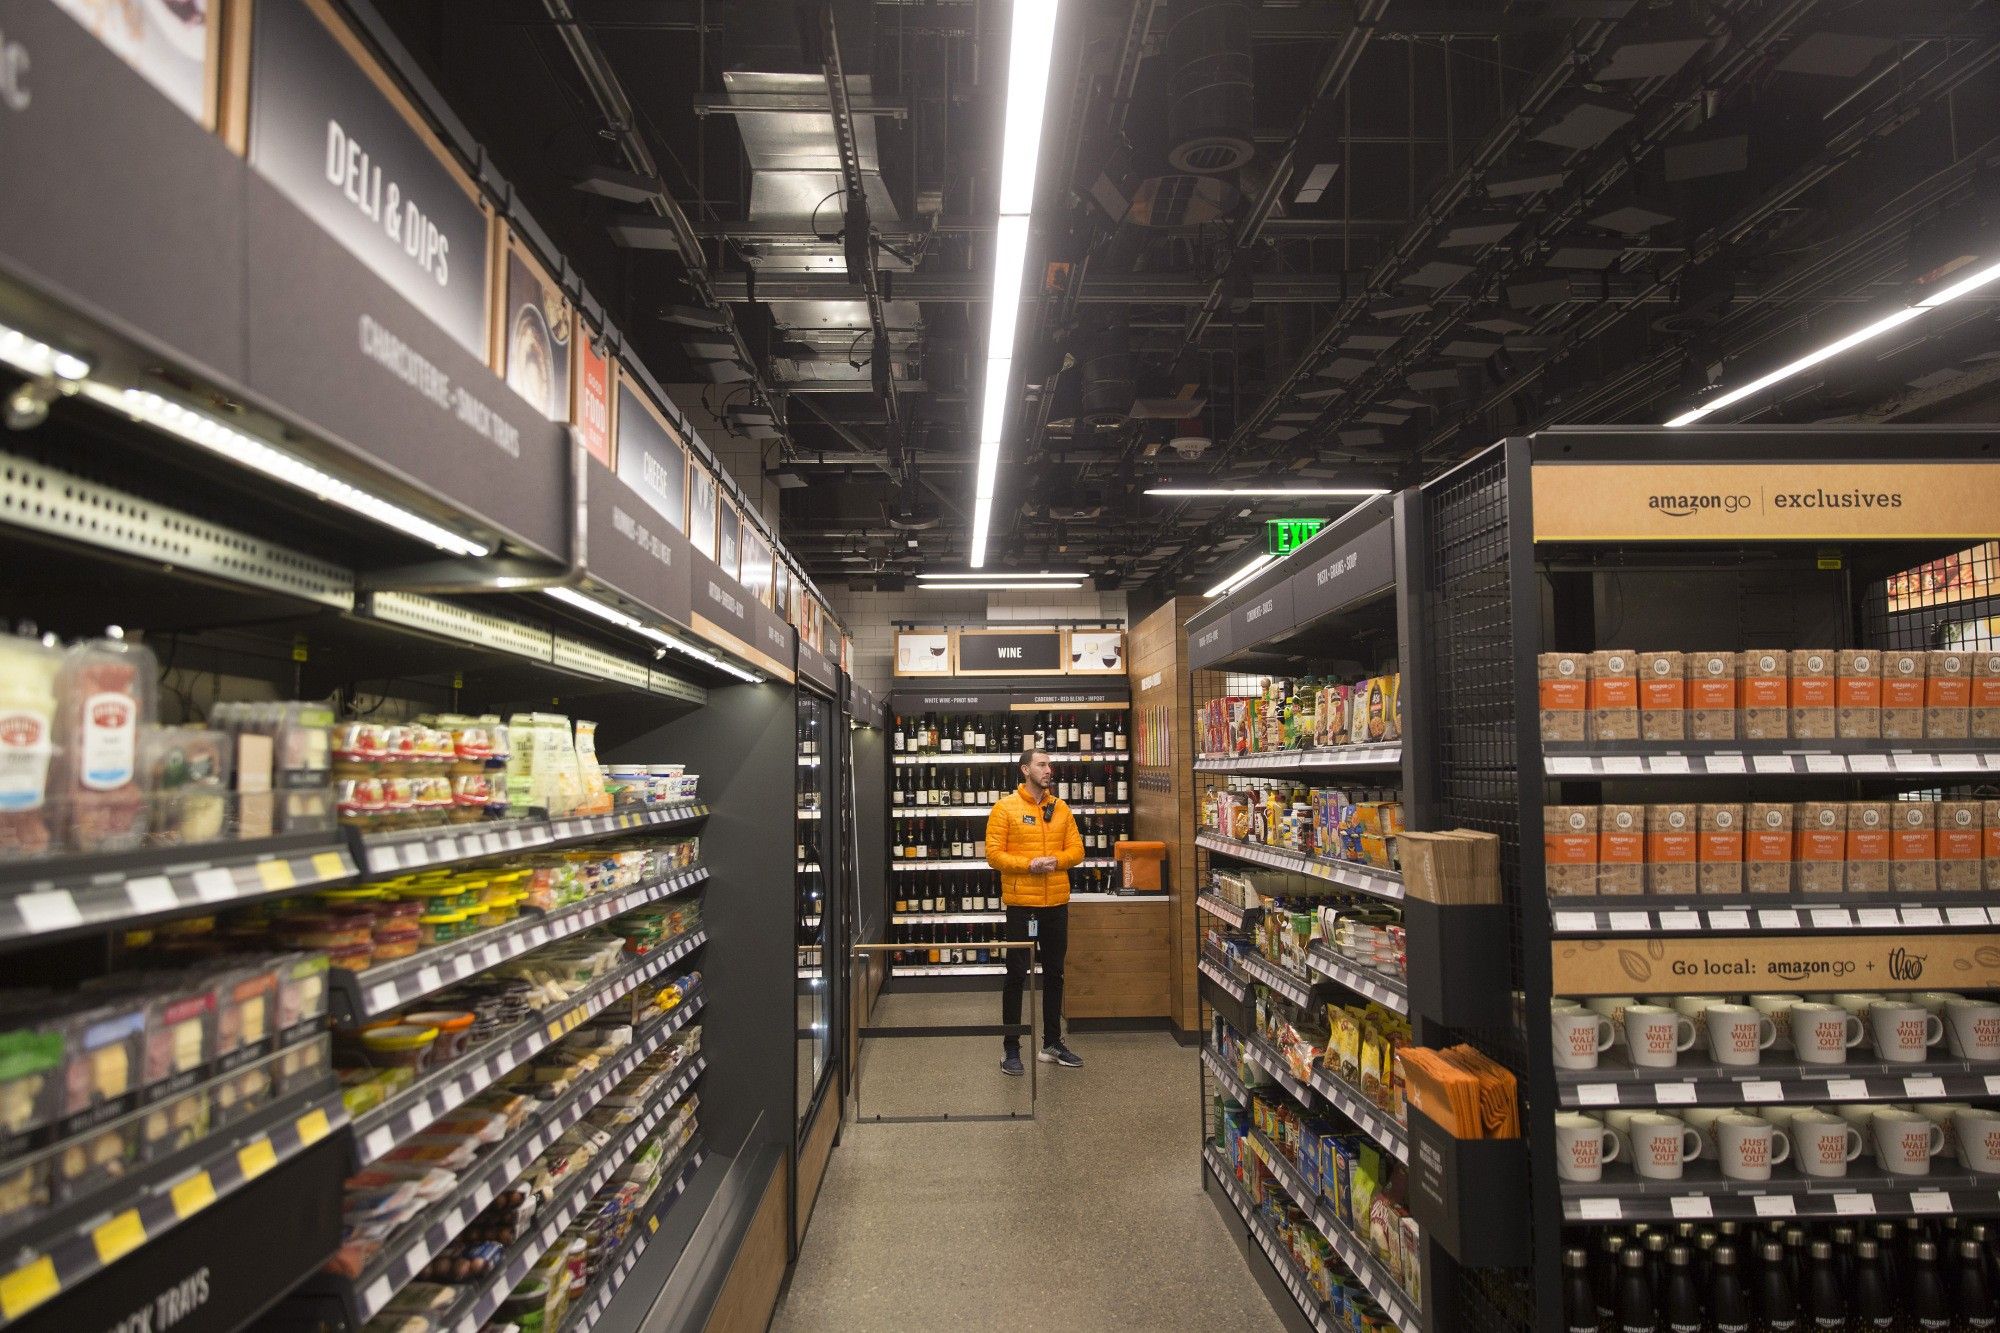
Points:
(897, 738)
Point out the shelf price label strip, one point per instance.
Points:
(1059, 756)
(1216, 907)
(1824, 1198)
(1801, 760)
(613, 1277)
(1342, 756)
(1328, 1090)
(1293, 987)
(1679, 920)
(470, 842)
(429, 971)
(1221, 976)
(1380, 987)
(232, 1164)
(1347, 874)
(1224, 1074)
(945, 918)
(1775, 1086)
(1094, 863)
(1356, 1256)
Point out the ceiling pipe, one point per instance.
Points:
(861, 251)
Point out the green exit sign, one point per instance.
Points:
(1282, 536)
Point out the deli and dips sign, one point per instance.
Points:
(331, 140)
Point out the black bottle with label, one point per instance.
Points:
(1728, 1302)
(1929, 1308)
(1579, 1294)
(1605, 1274)
(1972, 1298)
(1681, 1296)
(1826, 1302)
(1638, 1312)
(1777, 1299)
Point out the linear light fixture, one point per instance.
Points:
(1360, 492)
(998, 574)
(606, 612)
(996, 587)
(227, 442)
(1964, 286)
(1030, 48)
(32, 356)
(1240, 577)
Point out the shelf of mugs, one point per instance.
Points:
(1094, 863)
(1327, 1089)
(1287, 761)
(947, 918)
(48, 898)
(1348, 874)
(1309, 1303)
(982, 811)
(1223, 975)
(1797, 758)
(359, 996)
(1055, 756)
(448, 844)
(1696, 916)
(1391, 992)
(611, 1277)
(1222, 909)
(1294, 986)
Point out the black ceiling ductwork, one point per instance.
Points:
(1214, 88)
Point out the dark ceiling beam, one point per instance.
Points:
(1106, 289)
(861, 238)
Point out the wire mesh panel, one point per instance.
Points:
(1950, 602)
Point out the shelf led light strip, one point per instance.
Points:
(1965, 286)
(606, 612)
(1031, 45)
(1240, 577)
(31, 356)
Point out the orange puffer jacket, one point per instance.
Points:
(1017, 832)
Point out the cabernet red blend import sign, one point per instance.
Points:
(324, 134)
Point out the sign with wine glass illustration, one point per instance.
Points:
(1095, 652)
(923, 653)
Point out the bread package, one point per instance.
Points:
(1819, 846)
(1858, 694)
(1913, 846)
(1767, 848)
(1903, 695)
(1711, 696)
(1621, 849)
(1764, 698)
(1868, 846)
(1961, 846)
(1719, 846)
(1671, 854)
(1614, 695)
(1985, 711)
(1948, 694)
(1662, 696)
(1813, 693)
(1569, 849)
(1565, 690)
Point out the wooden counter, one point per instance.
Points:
(1118, 961)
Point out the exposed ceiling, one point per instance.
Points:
(1345, 243)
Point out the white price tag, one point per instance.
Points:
(1969, 762)
(1624, 763)
(1597, 1094)
(1579, 922)
(1878, 916)
(1847, 1089)
(1908, 761)
(447, 849)
(1849, 1204)
(214, 884)
(1724, 763)
(1965, 916)
(1824, 918)
(1557, 766)
(1826, 763)
(1680, 920)
(1868, 763)
(1993, 1085)
(428, 980)
(1729, 921)
(378, 1142)
(416, 854)
(1922, 916)
(1774, 1205)
(1673, 1094)
(383, 997)
(52, 909)
(378, 1294)
(1639, 922)
(1599, 1210)
(1923, 1087)
(1690, 1206)
(1668, 763)
(1763, 1090)
(512, 840)
(1771, 763)
(1783, 919)
(151, 893)
(1930, 1201)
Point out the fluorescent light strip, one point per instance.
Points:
(1240, 577)
(999, 574)
(1031, 48)
(995, 587)
(1963, 287)
(1358, 491)
(228, 442)
(611, 614)
(32, 356)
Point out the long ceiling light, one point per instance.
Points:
(604, 611)
(997, 587)
(1240, 577)
(1030, 47)
(998, 574)
(1896, 319)
(1360, 492)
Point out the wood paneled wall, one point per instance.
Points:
(1163, 798)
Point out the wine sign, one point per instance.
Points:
(1010, 652)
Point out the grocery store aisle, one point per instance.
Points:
(1090, 1218)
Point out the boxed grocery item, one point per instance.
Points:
(1765, 693)
(1719, 847)
(1820, 846)
(1621, 849)
(1868, 846)
(1960, 846)
(1767, 848)
(1614, 695)
(1392, 685)
(1662, 696)
(1948, 694)
(1858, 693)
(1569, 849)
(1985, 710)
(1903, 676)
(1712, 696)
(1990, 845)
(1913, 846)
(1813, 671)
(1671, 848)
(1564, 680)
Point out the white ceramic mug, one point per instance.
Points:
(1580, 1037)
(1933, 1000)
(1738, 1034)
(1655, 1037)
(1612, 1007)
(1855, 1001)
(1905, 1142)
(1944, 1116)
(1693, 1006)
(1823, 1144)
(1701, 1119)
(1904, 1031)
(1823, 1034)
(1861, 1115)
(1583, 1146)
(1749, 1147)
(1778, 1008)
(1662, 1145)
(1974, 1029)
(1977, 1129)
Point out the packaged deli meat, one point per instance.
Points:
(28, 670)
(104, 694)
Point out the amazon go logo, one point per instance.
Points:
(1682, 506)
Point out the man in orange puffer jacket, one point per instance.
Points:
(1031, 839)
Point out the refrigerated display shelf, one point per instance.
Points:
(1056, 756)
(982, 811)
(1328, 1089)
(1357, 1257)
(1771, 1084)
(1704, 1193)
(1294, 986)
(136, 1213)
(1102, 863)
(1222, 974)
(359, 996)
(61, 896)
(450, 844)
(1215, 906)
(591, 1305)
(1660, 919)
(425, 1236)
(1285, 761)
(1348, 874)
(1391, 992)
(1797, 758)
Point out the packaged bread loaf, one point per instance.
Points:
(1812, 691)
(1903, 676)
(1671, 855)
(1819, 846)
(1948, 694)
(1985, 710)
(1765, 699)
(1621, 849)
(1564, 685)
(1662, 696)
(1913, 846)
(1767, 848)
(1614, 695)
(1858, 694)
(1719, 844)
(1868, 843)
(1569, 849)
(1712, 696)
(1961, 846)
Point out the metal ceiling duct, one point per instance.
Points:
(1107, 373)
(1214, 91)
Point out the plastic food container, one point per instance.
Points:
(354, 958)
(453, 1032)
(443, 927)
(323, 930)
(397, 941)
(400, 1045)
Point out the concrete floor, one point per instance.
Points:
(1090, 1217)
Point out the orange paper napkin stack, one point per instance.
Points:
(1463, 1090)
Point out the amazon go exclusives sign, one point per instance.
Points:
(325, 134)
(1764, 501)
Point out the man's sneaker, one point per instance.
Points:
(1010, 1063)
(1056, 1053)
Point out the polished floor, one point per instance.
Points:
(1089, 1217)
